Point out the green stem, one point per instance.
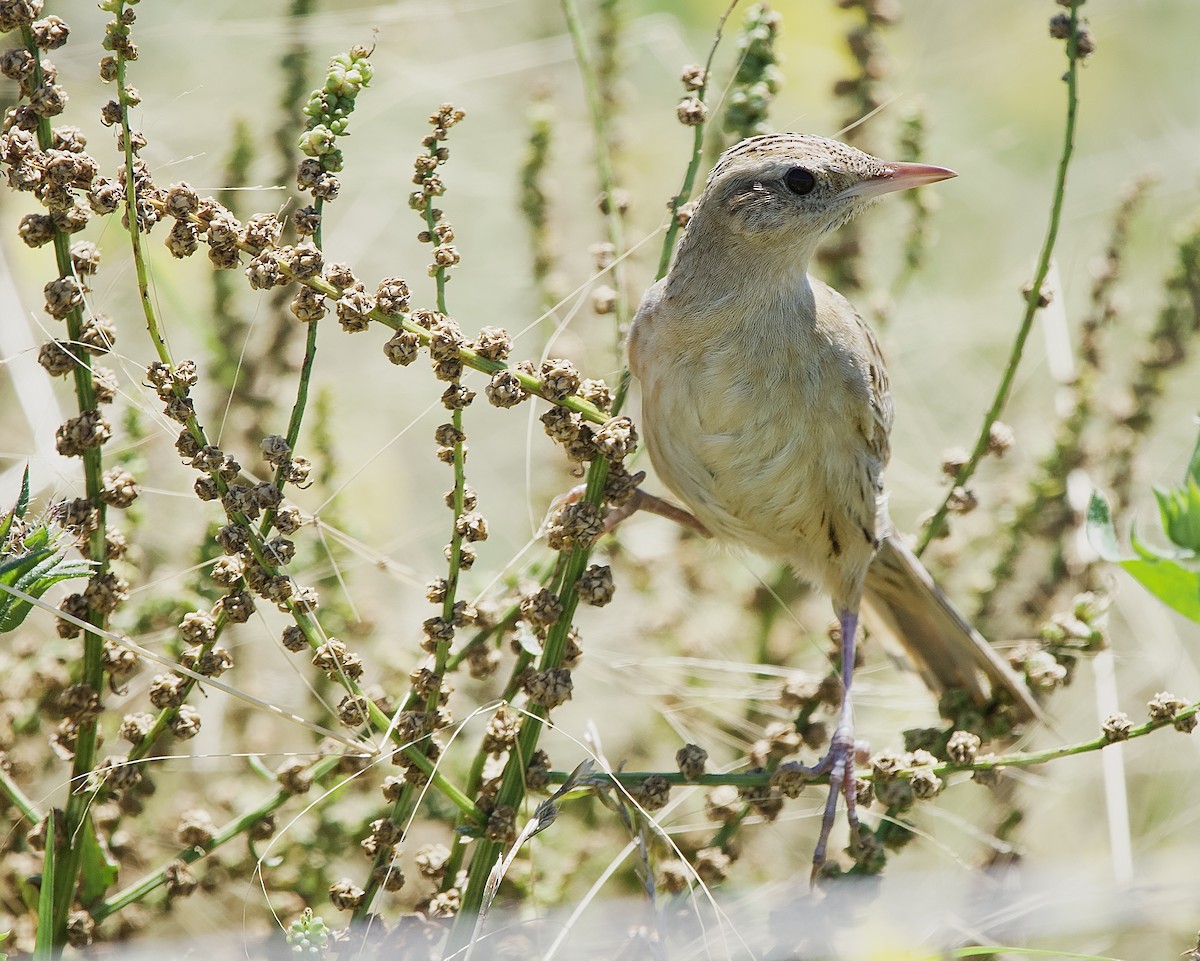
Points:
(310, 356)
(18, 798)
(631, 779)
(1032, 300)
(239, 825)
(693, 167)
(68, 856)
(602, 155)
(512, 785)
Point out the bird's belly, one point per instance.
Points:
(757, 453)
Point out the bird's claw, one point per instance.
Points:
(838, 763)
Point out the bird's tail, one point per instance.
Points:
(902, 601)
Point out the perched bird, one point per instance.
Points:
(766, 409)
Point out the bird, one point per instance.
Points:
(766, 410)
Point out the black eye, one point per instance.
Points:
(799, 181)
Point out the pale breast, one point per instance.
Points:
(758, 427)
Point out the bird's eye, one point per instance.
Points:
(799, 181)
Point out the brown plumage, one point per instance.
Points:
(766, 408)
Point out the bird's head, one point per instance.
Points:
(790, 189)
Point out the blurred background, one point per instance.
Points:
(698, 641)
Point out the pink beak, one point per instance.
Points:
(898, 176)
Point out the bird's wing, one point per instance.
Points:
(903, 604)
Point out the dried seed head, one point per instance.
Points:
(336, 661)
(493, 343)
(238, 606)
(691, 111)
(354, 308)
(353, 710)
(962, 747)
(505, 389)
(575, 525)
(198, 627)
(135, 727)
(63, 294)
(1163, 707)
(97, 335)
(691, 759)
(604, 299)
(293, 639)
(561, 425)
(294, 776)
(712, 865)
(178, 880)
(227, 571)
(308, 305)
(549, 688)
(288, 519)
(120, 488)
(962, 500)
(954, 459)
(457, 396)
(616, 439)
(36, 230)
(340, 275)
(265, 271)
(559, 379)
(653, 793)
(1000, 439)
(472, 527)
(402, 347)
(595, 585)
(275, 449)
(541, 609)
(85, 257)
(693, 77)
(392, 296)
(502, 731)
(82, 433)
(306, 220)
(166, 690)
(55, 358)
(597, 393)
(1116, 727)
(431, 860)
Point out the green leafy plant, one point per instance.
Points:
(31, 562)
(1170, 574)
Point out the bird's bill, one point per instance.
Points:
(898, 176)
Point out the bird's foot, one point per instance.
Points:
(838, 763)
(639, 501)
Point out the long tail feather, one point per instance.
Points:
(902, 600)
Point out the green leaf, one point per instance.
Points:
(16, 566)
(44, 943)
(1174, 585)
(1100, 531)
(99, 870)
(19, 510)
(37, 538)
(47, 570)
(1193, 471)
(23, 497)
(1179, 509)
(528, 640)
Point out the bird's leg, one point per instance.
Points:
(839, 761)
(639, 501)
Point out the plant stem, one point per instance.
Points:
(68, 855)
(239, 825)
(1032, 300)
